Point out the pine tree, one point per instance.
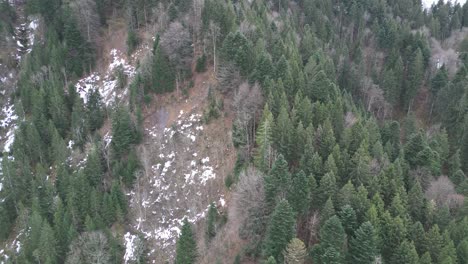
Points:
(295, 252)
(327, 188)
(327, 211)
(211, 223)
(264, 155)
(94, 110)
(123, 132)
(348, 219)
(162, 74)
(415, 76)
(93, 169)
(47, 247)
(271, 260)
(425, 259)
(277, 182)
(78, 122)
(332, 242)
(406, 253)
(392, 233)
(186, 252)
(299, 193)
(362, 247)
(462, 251)
(280, 231)
(282, 133)
(416, 202)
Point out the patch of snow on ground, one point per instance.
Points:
(129, 247)
(107, 83)
(8, 122)
(177, 172)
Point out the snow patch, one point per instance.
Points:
(129, 247)
(107, 83)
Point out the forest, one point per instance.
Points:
(348, 118)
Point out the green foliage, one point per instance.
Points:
(280, 231)
(201, 63)
(210, 231)
(362, 248)
(332, 242)
(162, 73)
(123, 132)
(186, 252)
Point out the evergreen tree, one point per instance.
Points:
(94, 110)
(162, 74)
(415, 76)
(295, 252)
(348, 219)
(123, 132)
(280, 231)
(48, 244)
(332, 242)
(327, 188)
(186, 252)
(277, 182)
(406, 253)
(211, 223)
(299, 193)
(362, 247)
(264, 155)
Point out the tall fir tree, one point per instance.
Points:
(186, 248)
(280, 231)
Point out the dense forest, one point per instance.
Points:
(350, 129)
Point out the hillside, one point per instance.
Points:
(191, 131)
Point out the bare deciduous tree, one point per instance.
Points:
(249, 204)
(89, 247)
(442, 192)
(228, 77)
(214, 34)
(177, 44)
(87, 18)
(247, 102)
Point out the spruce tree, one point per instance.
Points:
(277, 182)
(163, 76)
(94, 109)
(332, 242)
(211, 223)
(406, 253)
(295, 252)
(264, 154)
(362, 248)
(280, 231)
(186, 248)
(299, 193)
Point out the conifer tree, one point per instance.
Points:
(327, 187)
(48, 244)
(295, 252)
(186, 252)
(406, 253)
(277, 182)
(332, 242)
(94, 109)
(163, 76)
(348, 219)
(362, 248)
(415, 76)
(211, 223)
(264, 155)
(280, 231)
(299, 193)
(123, 132)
